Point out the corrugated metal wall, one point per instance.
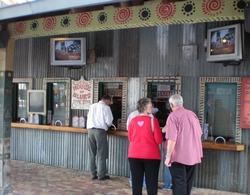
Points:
(225, 170)
(67, 149)
(149, 51)
(137, 53)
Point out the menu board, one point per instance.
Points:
(81, 94)
(245, 103)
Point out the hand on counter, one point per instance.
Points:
(112, 127)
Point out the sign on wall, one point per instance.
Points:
(81, 94)
(245, 104)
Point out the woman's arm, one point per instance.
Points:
(157, 132)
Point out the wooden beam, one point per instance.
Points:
(129, 3)
(137, 2)
(169, 1)
(122, 4)
(86, 9)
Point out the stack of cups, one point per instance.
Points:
(75, 121)
(82, 122)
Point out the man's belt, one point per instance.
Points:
(93, 128)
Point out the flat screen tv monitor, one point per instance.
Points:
(36, 102)
(68, 52)
(224, 43)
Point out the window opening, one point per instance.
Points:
(114, 90)
(58, 97)
(220, 110)
(159, 93)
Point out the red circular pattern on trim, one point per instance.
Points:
(213, 7)
(165, 11)
(84, 19)
(123, 15)
(49, 23)
(19, 27)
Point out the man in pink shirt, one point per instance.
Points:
(184, 147)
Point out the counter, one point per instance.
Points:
(65, 147)
(118, 132)
(205, 144)
(223, 146)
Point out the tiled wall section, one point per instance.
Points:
(5, 120)
(5, 111)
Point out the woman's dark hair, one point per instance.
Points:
(142, 104)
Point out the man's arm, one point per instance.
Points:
(163, 130)
(170, 148)
(108, 116)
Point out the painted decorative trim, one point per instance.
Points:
(67, 104)
(237, 80)
(152, 13)
(176, 80)
(24, 80)
(124, 81)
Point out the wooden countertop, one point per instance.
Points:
(223, 146)
(118, 132)
(205, 144)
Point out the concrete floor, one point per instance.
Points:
(36, 179)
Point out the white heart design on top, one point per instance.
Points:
(140, 123)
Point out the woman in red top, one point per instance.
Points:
(144, 155)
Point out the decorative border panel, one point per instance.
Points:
(176, 80)
(152, 13)
(203, 81)
(24, 80)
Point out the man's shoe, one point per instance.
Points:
(93, 178)
(105, 177)
(165, 189)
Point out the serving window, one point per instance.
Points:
(58, 99)
(219, 107)
(19, 103)
(159, 91)
(116, 88)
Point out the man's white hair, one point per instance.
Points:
(176, 100)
